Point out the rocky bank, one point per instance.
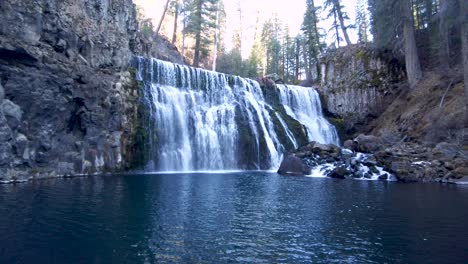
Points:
(68, 100)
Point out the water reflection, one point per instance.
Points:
(239, 217)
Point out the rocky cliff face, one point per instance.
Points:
(357, 83)
(68, 102)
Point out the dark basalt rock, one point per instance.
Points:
(408, 162)
(339, 173)
(293, 165)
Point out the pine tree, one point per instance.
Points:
(312, 43)
(362, 22)
(339, 16)
(271, 33)
(257, 52)
(385, 20)
(201, 24)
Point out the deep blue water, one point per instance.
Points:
(232, 218)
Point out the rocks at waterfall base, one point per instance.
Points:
(367, 157)
(329, 160)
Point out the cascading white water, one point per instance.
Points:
(204, 120)
(303, 104)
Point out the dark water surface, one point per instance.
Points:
(226, 218)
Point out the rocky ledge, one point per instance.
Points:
(369, 157)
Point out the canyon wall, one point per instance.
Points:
(358, 83)
(68, 100)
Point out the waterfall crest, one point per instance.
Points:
(203, 120)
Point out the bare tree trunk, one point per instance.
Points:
(444, 49)
(336, 28)
(464, 36)
(341, 19)
(196, 57)
(176, 17)
(215, 51)
(306, 63)
(413, 67)
(162, 17)
(183, 38)
(296, 72)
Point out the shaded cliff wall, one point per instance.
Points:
(68, 100)
(358, 83)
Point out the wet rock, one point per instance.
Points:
(339, 173)
(383, 177)
(293, 165)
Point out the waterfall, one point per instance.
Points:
(303, 104)
(203, 120)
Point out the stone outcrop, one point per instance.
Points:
(68, 100)
(408, 162)
(329, 160)
(358, 82)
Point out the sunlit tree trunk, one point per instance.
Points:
(196, 57)
(215, 51)
(176, 17)
(162, 16)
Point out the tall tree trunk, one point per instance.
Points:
(413, 67)
(317, 35)
(464, 37)
(430, 11)
(341, 18)
(335, 15)
(215, 49)
(162, 16)
(176, 17)
(296, 72)
(306, 62)
(183, 37)
(196, 57)
(444, 49)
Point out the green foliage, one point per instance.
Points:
(201, 23)
(362, 21)
(386, 22)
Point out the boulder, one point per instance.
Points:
(366, 143)
(339, 173)
(349, 144)
(293, 165)
(403, 171)
(445, 151)
(461, 172)
(11, 109)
